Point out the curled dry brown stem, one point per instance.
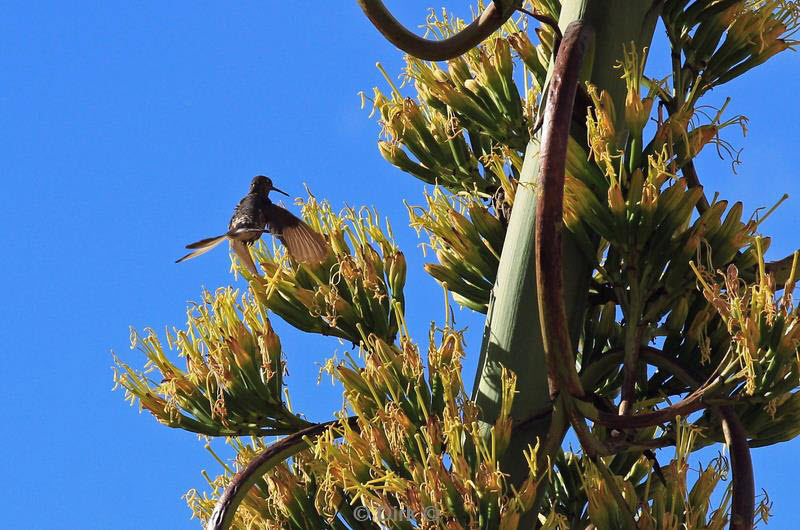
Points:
(550, 207)
(744, 488)
(612, 358)
(494, 16)
(690, 174)
(222, 516)
(696, 400)
(692, 403)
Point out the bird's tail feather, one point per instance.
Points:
(201, 247)
(209, 242)
(243, 252)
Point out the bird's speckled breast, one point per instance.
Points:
(251, 212)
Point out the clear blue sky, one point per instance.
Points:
(130, 129)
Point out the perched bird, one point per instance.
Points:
(250, 217)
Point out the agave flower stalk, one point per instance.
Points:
(638, 267)
(233, 382)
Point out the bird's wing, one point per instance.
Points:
(202, 246)
(302, 242)
(244, 255)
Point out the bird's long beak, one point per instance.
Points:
(273, 188)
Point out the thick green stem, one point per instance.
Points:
(513, 335)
